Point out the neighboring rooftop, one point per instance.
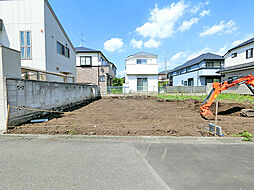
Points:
(199, 59)
(89, 50)
(242, 44)
(143, 54)
(164, 72)
(85, 49)
(237, 67)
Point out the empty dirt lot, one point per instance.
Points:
(132, 116)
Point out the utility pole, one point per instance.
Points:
(166, 71)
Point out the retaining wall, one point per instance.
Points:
(44, 95)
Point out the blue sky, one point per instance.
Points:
(176, 30)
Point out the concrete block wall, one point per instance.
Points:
(10, 66)
(44, 95)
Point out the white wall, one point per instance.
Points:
(198, 76)
(35, 16)
(134, 71)
(241, 56)
(150, 68)
(151, 79)
(95, 58)
(177, 80)
(20, 16)
(55, 60)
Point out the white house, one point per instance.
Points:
(199, 71)
(141, 73)
(239, 61)
(93, 67)
(31, 27)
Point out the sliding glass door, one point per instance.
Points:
(142, 85)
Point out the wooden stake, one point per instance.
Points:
(7, 119)
(216, 118)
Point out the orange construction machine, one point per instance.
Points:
(218, 87)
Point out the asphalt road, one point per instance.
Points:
(84, 164)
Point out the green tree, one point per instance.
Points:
(118, 81)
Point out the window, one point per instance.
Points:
(212, 80)
(190, 82)
(67, 52)
(216, 64)
(209, 64)
(63, 50)
(102, 78)
(85, 61)
(185, 83)
(26, 45)
(103, 62)
(141, 61)
(249, 53)
(234, 55)
(213, 64)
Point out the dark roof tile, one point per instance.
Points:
(84, 49)
(199, 59)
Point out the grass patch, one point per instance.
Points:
(231, 97)
(247, 136)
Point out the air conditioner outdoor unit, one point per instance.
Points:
(1, 24)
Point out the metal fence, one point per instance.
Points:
(161, 90)
(182, 89)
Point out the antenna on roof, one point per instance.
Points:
(82, 40)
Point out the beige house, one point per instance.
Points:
(94, 68)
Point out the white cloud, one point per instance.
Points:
(114, 44)
(137, 44)
(186, 25)
(177, 56)
(204, 13)
(246, 37)
(197, 53)
(222, 50)
(199, 6)
(222, 28)
(162, 21)
(152, 43)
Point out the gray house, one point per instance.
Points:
(199, 71)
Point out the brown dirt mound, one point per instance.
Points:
(142, 115)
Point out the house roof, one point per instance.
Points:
(241, 45)
(164, 72)
(89, 50)
(142, 54)
(85, 50)
(199, 59)
(237, 67)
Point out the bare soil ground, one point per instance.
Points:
(145, 116)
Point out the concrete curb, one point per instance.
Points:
(152, 139)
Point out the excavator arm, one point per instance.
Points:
(217, 88)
